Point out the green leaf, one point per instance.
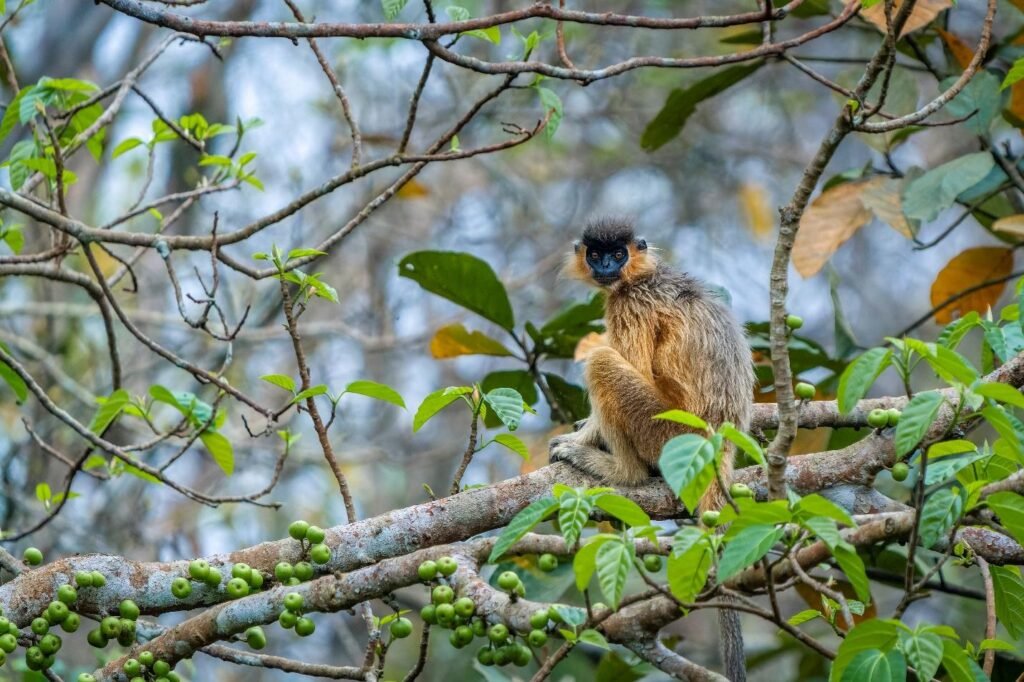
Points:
(683, 102)
(594, 638)
(816, 505)
(623, 508)
(454, 340)
(573, 513)
(310, 392)
(959, 666)
(825, 529)
(981, 97)
(1003, 393)
(281, 381)
(392, 8)
(753, 513)
(43, 492)
(125, 146)
(372, 389)
(303, 253)
(614, 560)
(744, 442)
(10, 118)
(521, 524)
(12, 378)
(873, 665)
(917, 416)
(1015, 73)
(220, 449)
(491, 34)
(521, 380)
(924, 652)
(859, 375)
(1008, 590)
(941, 510)
(935, 191)
(686, 464)
(507, 405)
(746, 549)
(139, 473)
(15, 238)
(685, 538)
(946, 459)
(869, 634)
(955, 331)
(584, 563)
(214, 160)
(853, 566)
(687, 572)
(435, 402)
(552, 104)
(805, 616)
(110, 408)
(999, 420)
(1009, 507)
(463, 279)
(570, 397)
(514, 444)
(572, 615)
(683, 417)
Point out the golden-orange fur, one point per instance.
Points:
(670, 344)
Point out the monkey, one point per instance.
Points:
(669, 344)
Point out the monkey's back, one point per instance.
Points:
(691, 347)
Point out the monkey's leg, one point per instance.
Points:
(622, 402)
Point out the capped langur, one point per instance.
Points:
(670, 345)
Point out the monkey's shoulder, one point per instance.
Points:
(671, 288)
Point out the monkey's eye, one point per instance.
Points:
(593, 255)
(620, 254)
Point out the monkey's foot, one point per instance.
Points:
(587, 459)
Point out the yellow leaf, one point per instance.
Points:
(1015, 108)
(882, 196)
(1013, 224)
(588, 343)
(414, 189)
(455, 340)
(968, 269)
(829, 221)
(923, 13)
(1019, 4)
(756, 207)
(961, 51)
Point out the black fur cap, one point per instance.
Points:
(610, 233)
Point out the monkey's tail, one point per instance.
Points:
(730, 644)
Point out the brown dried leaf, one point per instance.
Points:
(587, 344)
(961, 51)
(455, 340)
(414, 189)
(968, 269)
(923, 13)
(1012, 224)
(756, 205)
(829, 221)
(882, 196)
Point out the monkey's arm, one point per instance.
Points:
(623, 403)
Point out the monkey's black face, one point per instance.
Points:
(606, 262)
(606, 259)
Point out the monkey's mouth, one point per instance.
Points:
(606, 280)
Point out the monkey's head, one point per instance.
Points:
(609, 254)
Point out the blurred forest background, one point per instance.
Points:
(707, 200)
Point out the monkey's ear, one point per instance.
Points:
(641, 244)
(575, 247)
